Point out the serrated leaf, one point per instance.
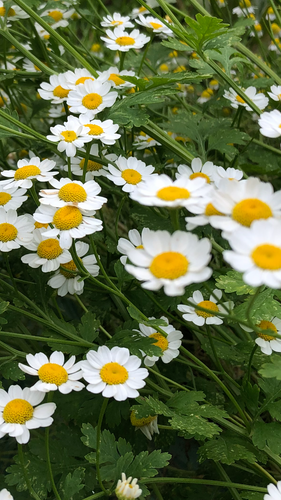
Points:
(158, 407)
(272, 369)
(153, 323)
(267, 435)
(11, 371)
(205, 28)
(73, 483)
(36, 472)
(264, 308)
(233, 282)
(88, 327)
(227, 449)
(194, 426)
(275, 410)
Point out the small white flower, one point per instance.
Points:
(102, 131)
(127, 488)
(91, 97)
(78, 76)
(270, 16)
(154, 24)
(5, 495)
(173, 261)
(203, 213)
(59, 16)
(266, 342)
(143, 141)
(147, 425)
(57, 111)
(68, 280)
(114, 372)
(71, 135)
(275, 93)
(4, 98)
(116, 20)
(139, 10)
(114, 77)
(201, 318)
(130, 173)
(41, 31)
(94, 168)
(274, 492)
(135, 241)
(56, 91)
(229, 173)
(197, 169)
(245, 8)
(259, 99)
(48, 254)
(256, 29)
(14, 12)
(12, 198)
(19, 412)
(270, 123)
(15, 231)
(206, 95)
(54, 373)
(29, 66)
(123, 41)
(27, 171)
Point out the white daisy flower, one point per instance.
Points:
(12, 198)
(274, 492)
(59, 16)
(57, 111)
(245, 8)
(173, 261)
(243, 202)
(91, 97)
(102, 131)
(78, 76)
(162, 191)
(73, 193)
(265, 341)
(256, 252)
(130, 173)
(256, 29)
(154, 24)
(70, 281)
(135, 241)
(15, 231)
(116, 20)
(139, 10)
(54, 373)
(270, 123)
(5, 495)
(114, 77)
(147, 425)
(206, 95)
(143, 141)
(42, 32)
(14, 13)
(94, 169)
(19, 412)
(123, 41)
(259, 99)
(27, 171)
(197, 169)
(229, 173)
(169, 345)
(201, 318)
(48, 254)
(127, 488)
(275, 93)
(56, 91)
(270, 16)
(114, 372)
(29, 66)
(71, 135)
(4, 98)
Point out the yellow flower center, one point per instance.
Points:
(18, 411)
(72, 192)
(2, 101)
(11, 12)
(114, 374)
(140, 422)
(207, 93)
(8, 232)
(83, 79)
(71, 266)
(267, 325)
(139, 247)
(46, 37)
(164, 67)
(94, 129)
(56, 15)
(114, 23)
(161, 341)
(244, 3)
(49, 249)
(27, 171)
(142, 9)
(52, 373)
(59, 91)
(38, 225)
(239, 99)
(131, 176)
(200, 174)
(116, 79)
(95, 47)
(258, 27)
(246, 211)
(156, 26)
(270, 10)
(169, 265)
(275, 28)
(67, 218)
(4, 198)
(173, 193)
(125, 40)
(267, 257)
(92, 101)
(207, 304)
(92, 166)
(211, 210)
(69, 135)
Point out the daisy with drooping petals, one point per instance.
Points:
(129, 172)
(14, 231)
(201, 318)
(169, 345)
(56, 91)
(123, 41)
(68, 222)
(114, 77)
(256, 252)
(19, 412)
(13, 198)
(73, 193)
(94, 168)
(127, 488)
(267, 342)
(5, 495)
(154, 24)
(114, 372)
(229, 173)
(101, 131)
(275, 93)
(147, 425)
(69, 136)
(27, 171)
(172, 261)
(135, 241)
(91, 97)
(259, 99)
(162, 191)
(197, 169)
(116, 20)
(54, 373)
(274, 491)
(143, 141)
(49, 253)
(270, 123)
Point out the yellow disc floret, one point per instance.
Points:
(131, 176)
(83, 79)
(169, 265)
(49, 249)
(116, 79)
(92, 166)
(200, 174)
(211, 210)
(69, 135)
(161, 341)
(59, 91)
(114, 374)
(125, 40)
(94, 129)
(67, 218)
(267, 257)
(56, 15)
(52, 373)
(92, 101)
(11, 12)
(71, 266)
(239, 99)
(72, 192)
(267, 325)
(156, 26)
(140, 422)
(27, 171)
(38, 225)
(18, 411)
(4, 198)
(246, 211)
(8, 232)
(173, 193)
(207, 304)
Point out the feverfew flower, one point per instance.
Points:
(56, 91)
(68, 280)
(114, 77)
(135, 241)
(245, 8)
(5, 495)
(130, 173)
(203, 213)
(49, 253)
(116, 20)
(15, 231)
(147, 425)
(91, 97)
(78, 76)
(71, 135)
(172, 261)
(201, 318)
(143, 141)
(100, 131)
(259, 99)
(19, 412)
(256, 252)
(230, 173)
(94, 168)
(27, 171)
(197, 169)
(169, 345)
(206, 95)
(73, 193)
(127, 488)
(270, 16)
(265, 341)
(274, 492)
(29, 66)
(123, 41)
(114, 373)
(59, 16)
(154, 24)
(12, 198)
(14, 13)
(270, 123)
(54, 373)
(275, 93)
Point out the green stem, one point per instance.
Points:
(250, 362)
(86, 159)
(144, 54)
(81, 303)
(118, 215)
(96, 495)
(24, 470)
(47, 445)
(34, 195)
(265, 473)
(233, 491)
(174, 214)
(41, 339)
(207, 482)
(101, 415)
(158, 374)
(157, 492)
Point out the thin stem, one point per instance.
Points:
(69, 172)
(207, 482)
(86, 159)
(157, 492)
(250, 362)
(101, 415)
(81, 303)
(174, 214)
(118, 215)
(28, 484)
(265, 473)
(158, 374)
(47, 445)
(144, 54)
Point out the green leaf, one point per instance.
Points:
(153, 323)
(158, 407)
(265, 307)
(36, 472)
(233, 282)
(135, 342)
(275, 409)
(11, 371)
(267, 435)
(272, 369)
(173, 43)
(205, 28)
(121, 273)
(194, 426)
(88, 328)
(223, 140)
(73, 483)
(227, 449)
